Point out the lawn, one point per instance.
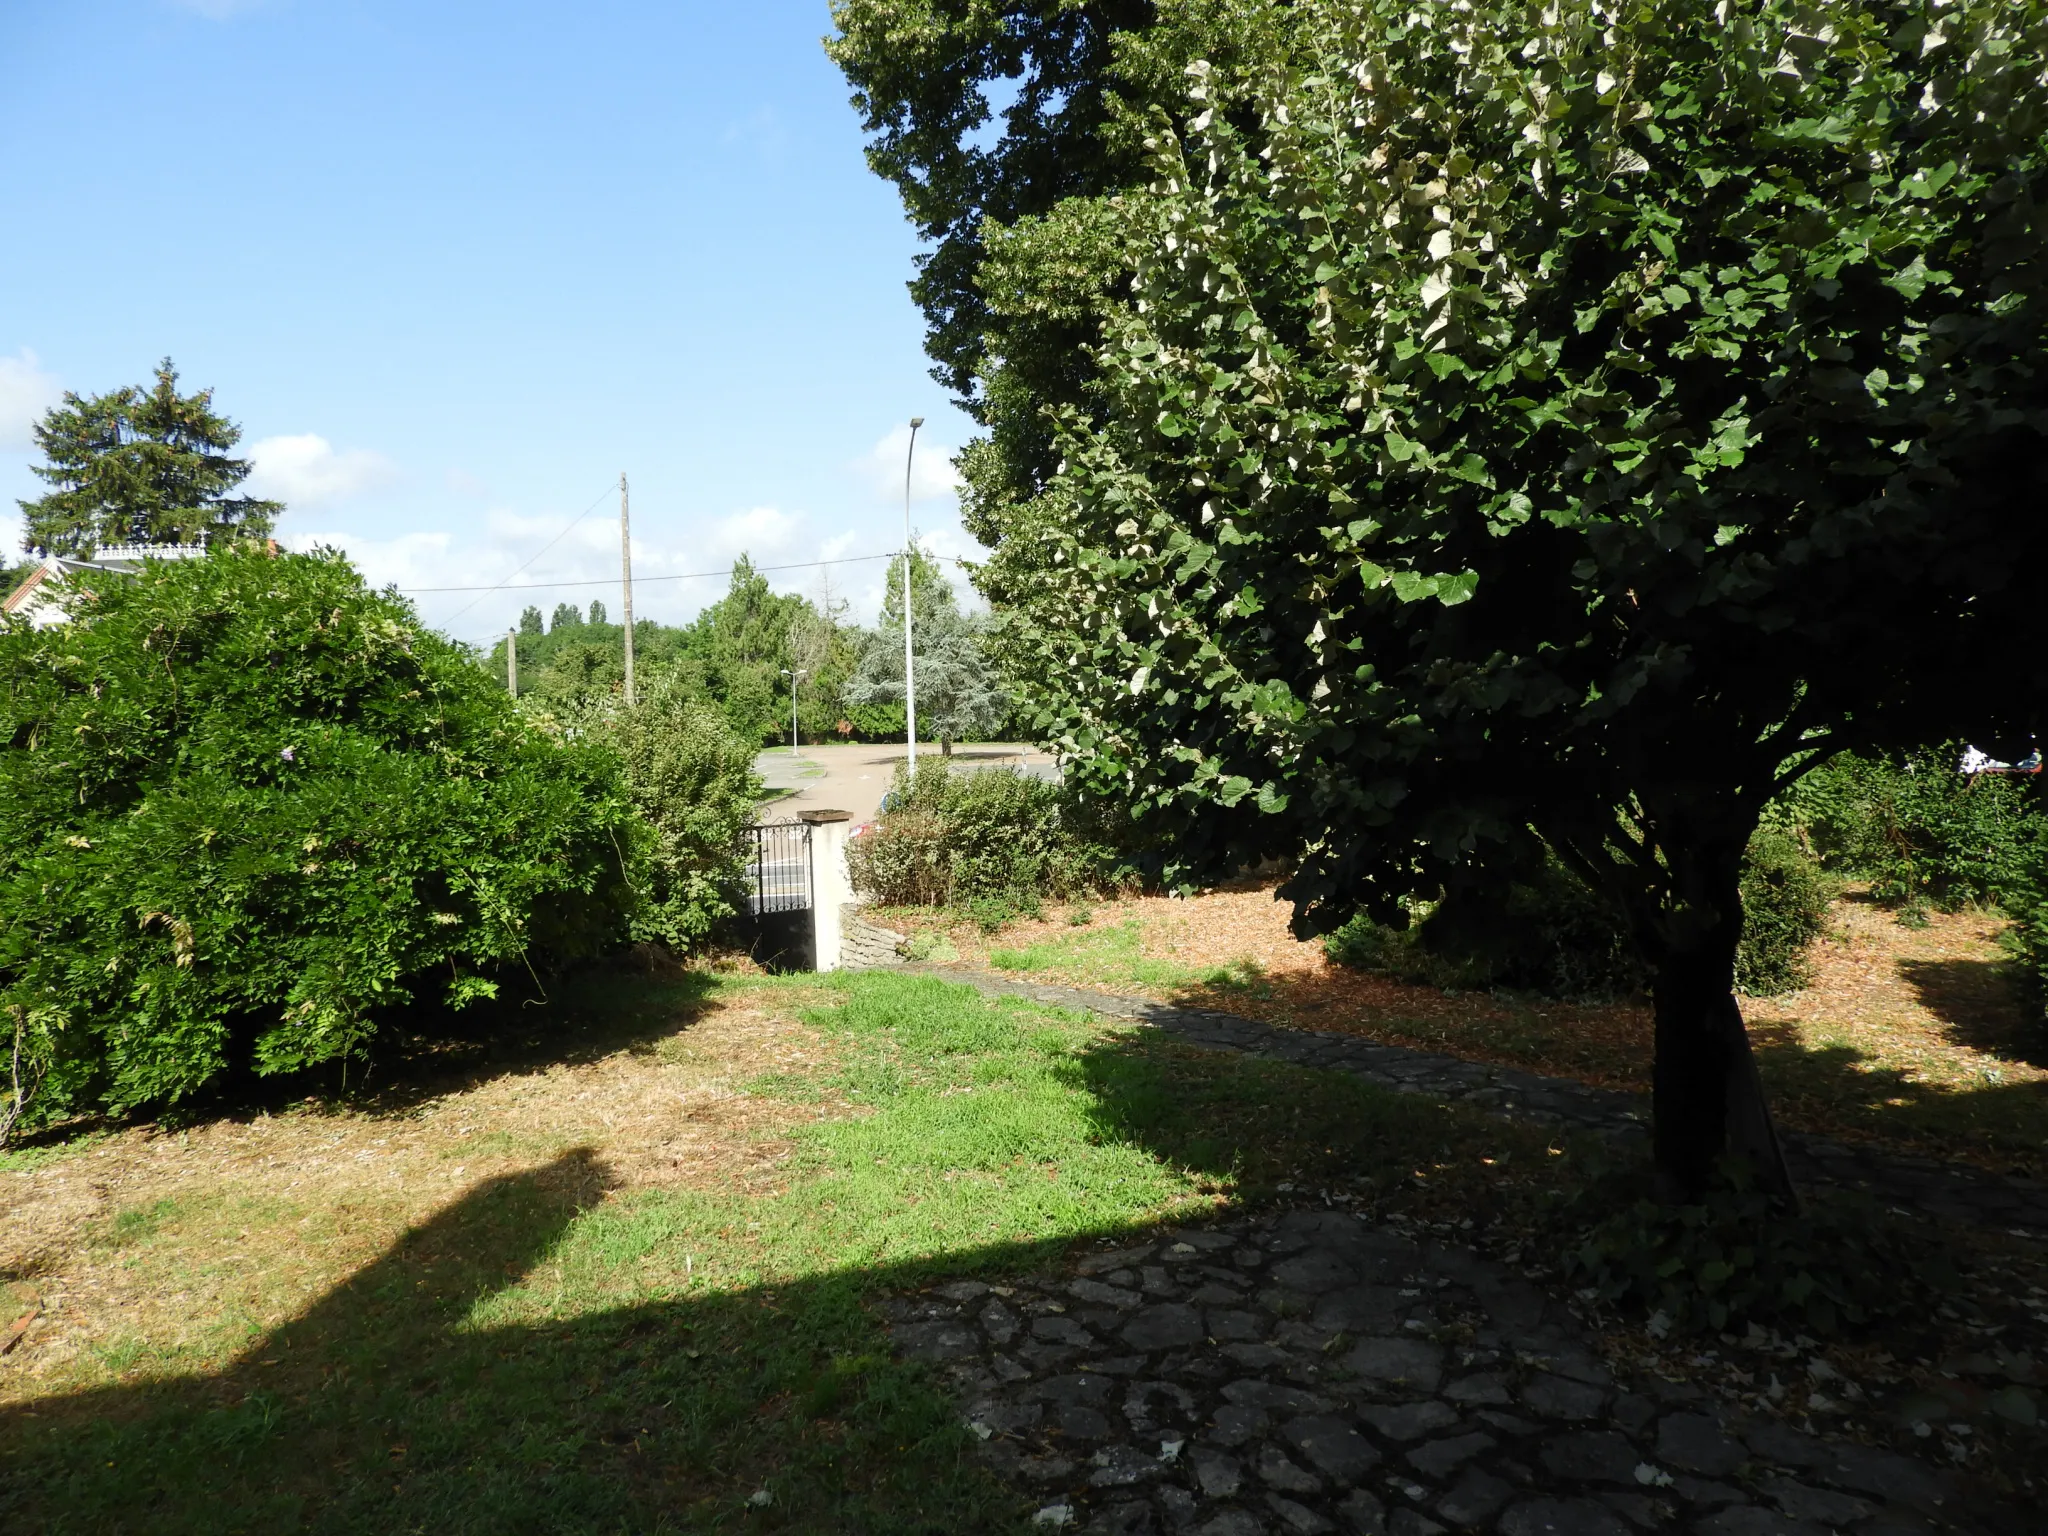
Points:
(1910, 1037)
(616, 1275)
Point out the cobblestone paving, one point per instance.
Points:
(1304, 1372)
(1945, 1191)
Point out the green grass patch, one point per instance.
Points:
(545, 1355)
(1114, 956)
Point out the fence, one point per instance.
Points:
(779, 868)
(780, 896)
(798, 894)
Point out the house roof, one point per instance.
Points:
(38, 598)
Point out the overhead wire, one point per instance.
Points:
(535, 586)
(551, 543)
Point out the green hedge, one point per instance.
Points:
(692, 781)
(247, 806)
(954, 837)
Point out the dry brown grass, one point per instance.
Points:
(166, 1251)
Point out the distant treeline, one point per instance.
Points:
(739, 655)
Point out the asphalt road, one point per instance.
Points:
(855, 777)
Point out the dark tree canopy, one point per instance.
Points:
(923, 72)
(139, 466)
(1562, 424)
(1010, 127)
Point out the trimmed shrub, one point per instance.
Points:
(247, 806)
(991, 836)
(693, 783)
(1785, 901)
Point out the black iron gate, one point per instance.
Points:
(779, 895)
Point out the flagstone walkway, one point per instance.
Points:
(1307, 1372)
(1304, 1372)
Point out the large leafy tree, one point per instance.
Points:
(1010, 127)
(960, 694)
(140, 466)
(1563, 424)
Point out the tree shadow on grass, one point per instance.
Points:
(1829, 1089)
(385, 1408)
(1837, 1090)
(403, 1401)
(1980, 1003)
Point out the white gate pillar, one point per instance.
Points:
(831, 886)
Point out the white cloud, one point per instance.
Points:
(932, 474)
(525, 551)
(25, 393)
(304, 472)
(760, 533)
(410, 560)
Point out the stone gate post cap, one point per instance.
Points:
(814, 817)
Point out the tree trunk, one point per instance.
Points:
(945, 746)
(1681, 888)
(1707, 1099)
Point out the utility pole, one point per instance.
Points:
(626, 573)
(794, 679)
(512, 662)
(909, 659)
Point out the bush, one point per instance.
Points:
(693, 783)
(1921, 832)
(1545, 932)
(1738, 1257)
(1541, 929)
(873, 722)
(1785, 901)
(992, 836)
(247, 806)
(2025, 900)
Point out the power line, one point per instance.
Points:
(551, 543)
(508, 585)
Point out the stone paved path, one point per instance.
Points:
(1304, 1372)
(1943, 1190)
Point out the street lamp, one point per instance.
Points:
(909, 670)
(793, 679)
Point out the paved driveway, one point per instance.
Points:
(855, 777)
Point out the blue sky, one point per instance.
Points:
(454, 266)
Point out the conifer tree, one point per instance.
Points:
(137, 466)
